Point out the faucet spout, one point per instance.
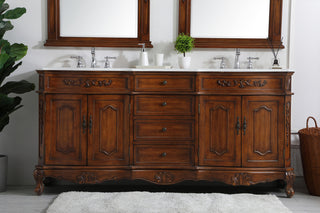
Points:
(237, 60)
(93, 61)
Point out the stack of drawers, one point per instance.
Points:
(164, 123)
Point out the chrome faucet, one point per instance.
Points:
(222, 63)
(107, 63)
(237, 61)
(250, 63)
(93, 61)
(79, 61)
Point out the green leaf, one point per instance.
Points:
(4, 27)
(5, 46)
(3, 7)
(18, 87)
(184, 43)
(15, 13)
(8, 68)
(18, 51)
(3, 59)
(7, 106)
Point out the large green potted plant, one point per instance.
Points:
(183, 44)
(10, 55)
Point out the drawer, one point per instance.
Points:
(164, 129)
(164, 83)
(163, 105)
(163, 154)
(82, 83)
(238, 84)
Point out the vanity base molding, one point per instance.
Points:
(164, 127)
(235, 177)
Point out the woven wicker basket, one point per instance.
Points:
(310, 154)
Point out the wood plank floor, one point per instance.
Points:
(22, 198)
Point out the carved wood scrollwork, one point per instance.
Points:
(38, 177)
(87, 83)
(241, 83)
(241, 179)
(289, 180)
(87, 178)
(164, 177)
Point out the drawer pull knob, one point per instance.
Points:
(164, 82)
(163, 154)
(164, 129)
(164, 104)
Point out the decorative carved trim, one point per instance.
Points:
(164, 177)
(87, 83)
(87, 178)
(241, 83)
(38, 177)
(289, 180)
(241, 179)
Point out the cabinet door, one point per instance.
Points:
(65, 138)
(108, 130)
(219, 134)
(263, 131)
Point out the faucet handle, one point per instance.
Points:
(107, 64)
(79, 61)
(222, 63)
(250, 63)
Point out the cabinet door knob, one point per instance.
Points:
(84, 124)
(238, 126)
(164, 104)
(164, 129)
(164, 82)
(163, 154)
(244, 126)
(90, 124)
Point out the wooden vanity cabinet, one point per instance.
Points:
(164, 127)
(242, 131)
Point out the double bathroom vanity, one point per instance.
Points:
(164, 126)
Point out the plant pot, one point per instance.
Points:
(3, 172)
(184, 62)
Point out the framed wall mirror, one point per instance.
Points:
(98, 23)
(232, 23)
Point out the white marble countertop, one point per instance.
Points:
(164, 70)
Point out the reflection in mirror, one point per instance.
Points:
(230, 18)
(103, 18)
(232, 23)
(98, 23)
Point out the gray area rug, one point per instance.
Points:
(163, 202)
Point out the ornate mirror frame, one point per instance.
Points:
(275, 20)
(54, 38)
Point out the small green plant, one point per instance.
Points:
(9, 55)
(184, 43)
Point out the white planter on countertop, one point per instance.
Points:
(184, 62)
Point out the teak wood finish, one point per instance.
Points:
(275, 21)
(54, 38)
(232, 127)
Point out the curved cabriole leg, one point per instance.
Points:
(38, 177)
(289, 180)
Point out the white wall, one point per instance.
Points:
(20, 138)
(304, 58)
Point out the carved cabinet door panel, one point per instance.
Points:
(108, 136)
(65, 136)
(263, 131)
(219, 131)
